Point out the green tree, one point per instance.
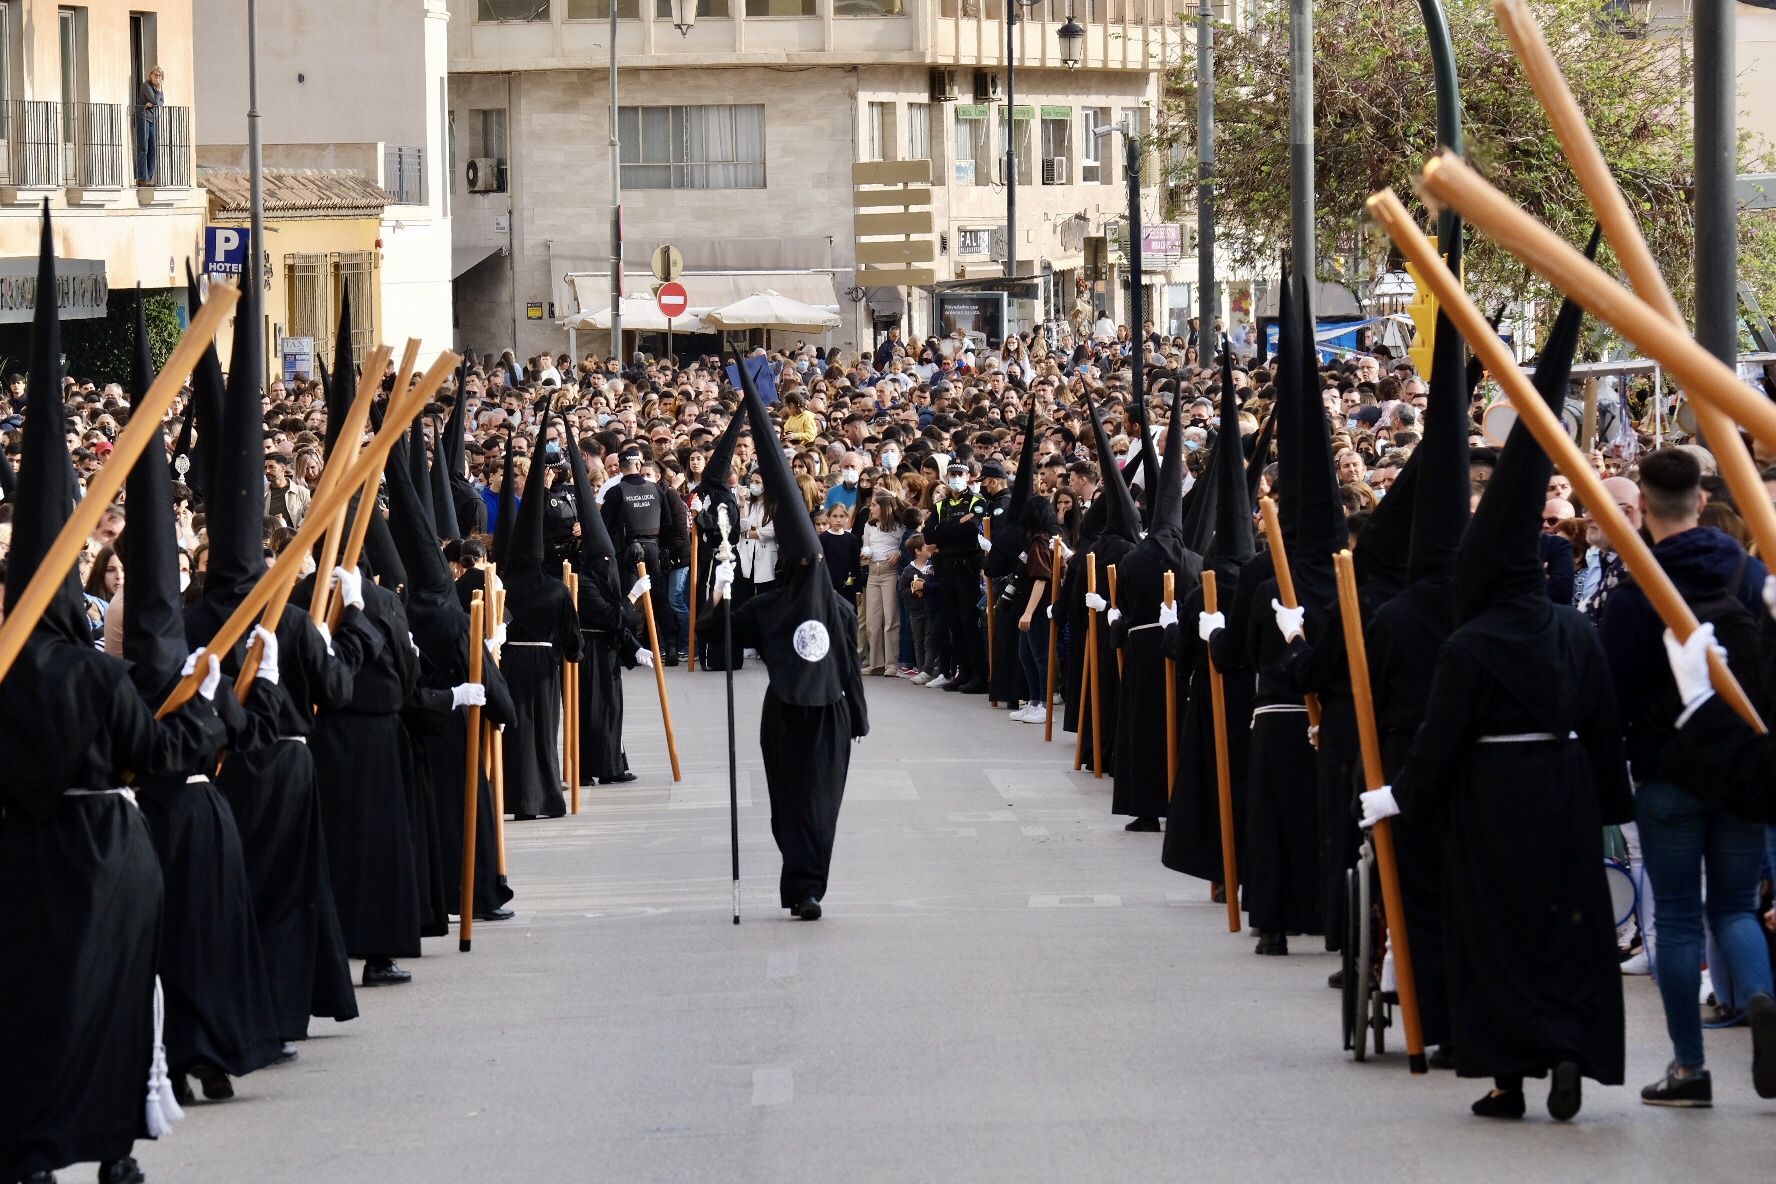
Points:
(1375, 125)
(101, 348)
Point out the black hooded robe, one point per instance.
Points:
(1141, 789)
(543, 632)
(608, 632)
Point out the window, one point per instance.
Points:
(490, 128)
(599, 10)
(6, 74)
(507, 10)
(869, 8)
(73, 47)
(1057, 146)
(881, 131)
(447, 118)
(711, 8)
(716, 147)
(781, 8)
(974, 145)
(1026, 164)
(144, 49)
(308, 308)
(403, 174)
(1091, 147)
(919, 131)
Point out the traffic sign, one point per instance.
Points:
(672, 299)
(668, 263)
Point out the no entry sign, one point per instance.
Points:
(672, 299)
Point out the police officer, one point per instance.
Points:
(647, 521)
(995, 489)
(561, 514)
(954, 526)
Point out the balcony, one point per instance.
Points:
(86, 148)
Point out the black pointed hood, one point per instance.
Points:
(438, 491)
(1259, 456)
(339, 386)
(208, 398)
(1233, 542)
(1384, 549)
(506, 508)
(237, 504)
(1122, 519)
(1441, 493)
(524, 548)
(1500, 561)
(714, 481)
(1168, 496)
(46, 485)
(797, 541)
(1320, 510)
(1022, 480)
(454, 453)
(596, 556)
(153, 618)
(429, 586)
(381, 557)
(9, 476)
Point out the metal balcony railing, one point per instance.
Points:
(172, 153)
(94, 148)
(31, 136)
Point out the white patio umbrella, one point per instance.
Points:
(772, 310)
(640, 315)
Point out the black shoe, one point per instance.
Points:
(671, 660)
(1143, 825)
(1217, 894)
(623, 778)
(216, 1086)
(40, 1176)
(808, 910)
(1443, 1058)
(182, 1090)
(953, 685)
(1760, 1013)
(525, 817)
(1335, 980)
(385, 974)
(286, 1054)
(977, 687)
(1272, 944)
(1694, 1092)
(121, 1171)
(1500, 1105)
(1565, 1092)
(495, 915)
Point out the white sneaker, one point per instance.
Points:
(939, 682)
(1637, 964)
(919, 679)
(1032, 713)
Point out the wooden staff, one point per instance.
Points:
(143, 429)
(1622, 230)
(1091, 633)
(1120, 656)
(283, 571)
(471, 778)
(1279, 558)
(1223, 768)
(1393, 903)
(647, 608)
(499, 743)
(572, 720)
(1054, 589)
(1171, 703)
(691, 649)
(567, 781)
(1534, 413)
(987, 531)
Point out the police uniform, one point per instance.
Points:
(958, 563)
(646, 523)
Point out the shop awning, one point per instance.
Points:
(713, 289)
(464, 256)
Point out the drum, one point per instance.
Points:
(1624, 892)
(1496, 421)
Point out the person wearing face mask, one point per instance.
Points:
(954, 526)
(845, 492)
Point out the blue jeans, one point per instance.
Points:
(678, 593)
(1678, 837)
(147, 135)
(1033, 656)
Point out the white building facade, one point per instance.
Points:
(738, 140)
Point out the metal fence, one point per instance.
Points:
(403, 174)
(50, 145)
(172, 150)
(94, 151)
(32, 134)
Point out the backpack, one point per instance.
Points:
(1735, 628)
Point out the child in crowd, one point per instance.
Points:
(918, 583)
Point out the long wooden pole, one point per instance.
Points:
(1091, 633)
(1534, 413)
(647, 606)
(282, 571)
(1171, 669)
(1223, 767)
(143, 429)
(567, 777)
(1121, 657)
(471, 778)
(987, 580)
(499, 741)
(1054, 588)
(691, 647)
(572, 721)
(1393, 901)
(1279, 558)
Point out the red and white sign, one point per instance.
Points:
(672, 299)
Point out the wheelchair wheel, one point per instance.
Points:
(1354, 971)
(1362, 945)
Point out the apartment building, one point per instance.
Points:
(70, 128)
(738, 136)
(357, 89)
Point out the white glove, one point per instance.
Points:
(986, 544)
(1113, 616)
(640, 588)
(644, 658)
(1289, 620)
(699, 503)
(351, 587)
(468, 694)
(724, 579)
(1689, 662)
(326, 636)
(268, 654)
(412, 645)
(212, 672)
(1051, 612)
(1313, 735)
(1770, 594)
(499, 635)
(1096, 603)
(1207, 624)
(1168, 615)
(1378, 804)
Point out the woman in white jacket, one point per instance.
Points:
(757, 550)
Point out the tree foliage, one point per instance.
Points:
(1375, 125)
(101, 348)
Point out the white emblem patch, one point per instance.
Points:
(811, 641)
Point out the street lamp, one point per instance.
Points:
(1071, 38)
(1072, 35)
(1132, 170)
(684, 16)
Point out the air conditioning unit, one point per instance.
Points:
(1057, 170)
(986, 87)
(943, 86)
(485, 174)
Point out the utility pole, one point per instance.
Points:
(1011, 161)
(1301, 142)
(1717, 155)
(616, 217)
(255, 164)
(1205, 184)
(1137, 355)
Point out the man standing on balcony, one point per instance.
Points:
(149, 100)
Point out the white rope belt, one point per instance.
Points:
(1148, 625)
(303, 740)
(543, 644)
(1525, 738)
(1276, 708)
(198, 779)
(128, 795)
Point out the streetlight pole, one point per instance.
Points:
(1011, 179)
(1717, 157)
(255, 161)
(1205, 183)
(1301, 142)
(616, 216)
(1137, 355)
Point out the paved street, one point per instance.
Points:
(1006, 987)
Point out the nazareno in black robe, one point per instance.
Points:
(543, 632)
(1141, 775)
(1193, 816)
(1530, 931)
(608, 629)
(80, 932)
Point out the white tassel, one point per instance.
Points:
(163, 1107)
(1388, 982)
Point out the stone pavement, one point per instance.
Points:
(1006, 987)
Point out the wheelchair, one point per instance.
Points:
(1368, 1008)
